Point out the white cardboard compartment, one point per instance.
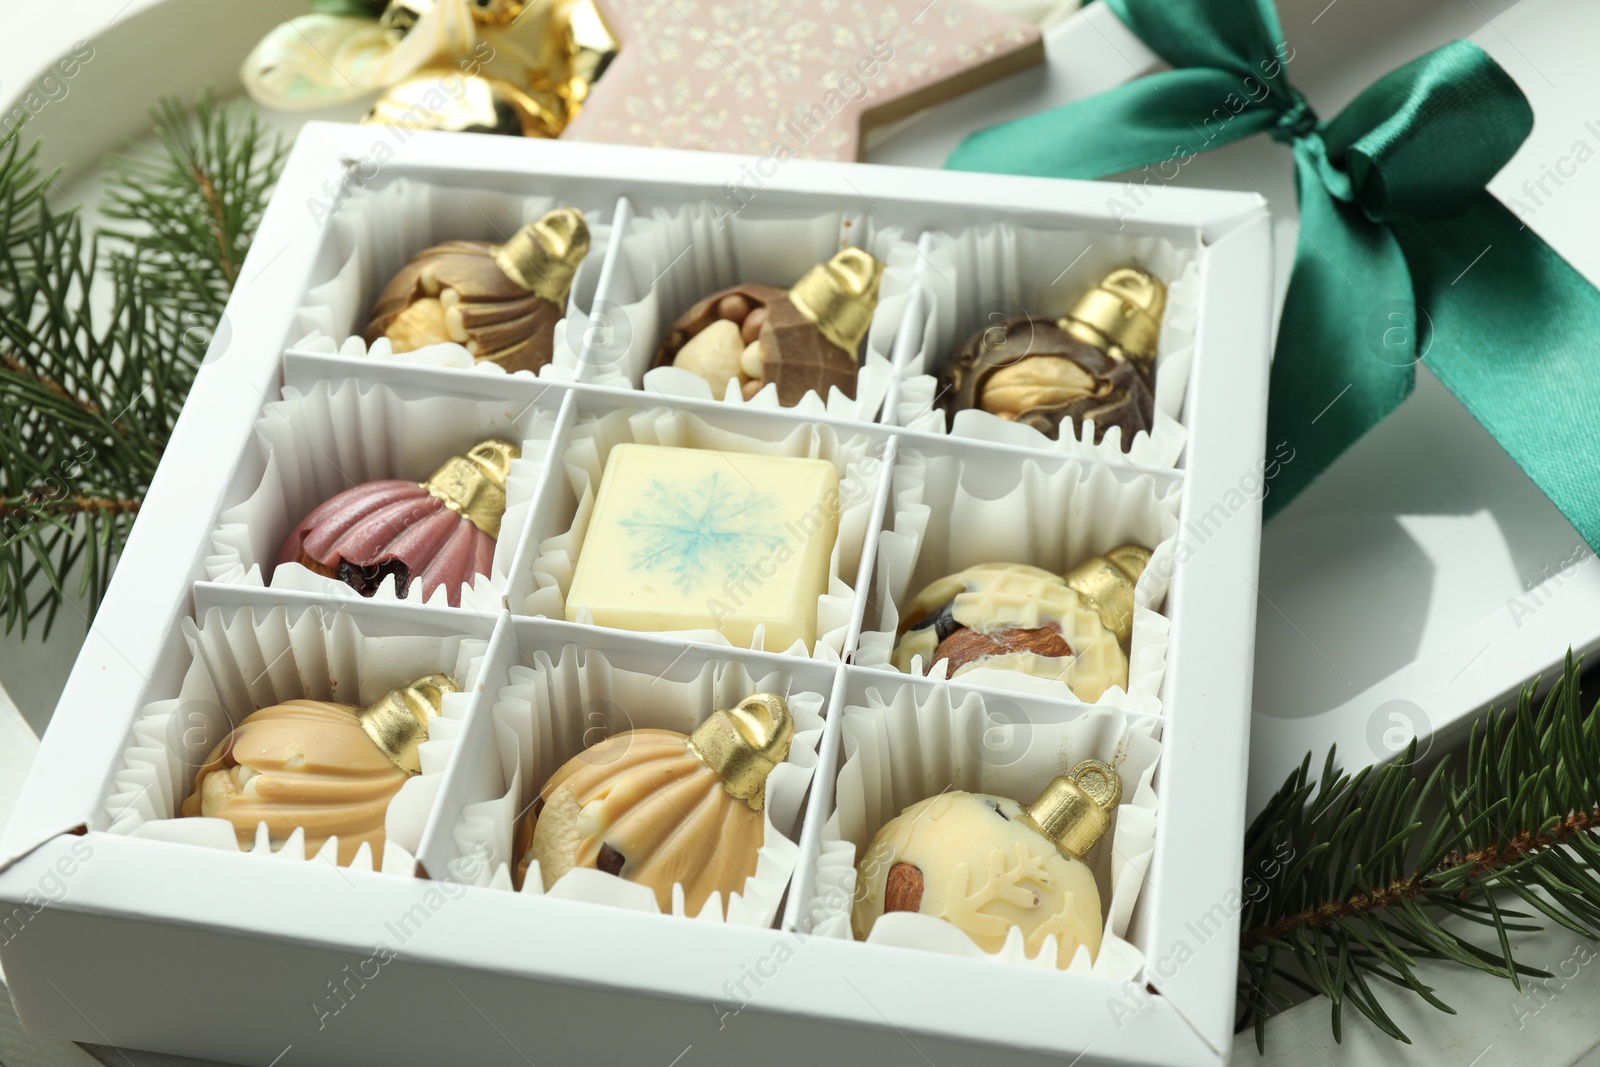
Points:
(541, 976)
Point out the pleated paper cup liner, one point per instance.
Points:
(977, 277)
(377, 231)
(253, 658)
(902, 748)
(671, 259)
(570, 699)
(569, 502)
(950, 511)
(312, 445)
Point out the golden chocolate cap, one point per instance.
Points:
(543, 256)
(1123, 310)
(1106, 584)
(474, 485)
(397, 722)
(839, 297)
(744, 743)
(1074, 811)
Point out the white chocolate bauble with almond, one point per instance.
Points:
(975, 861)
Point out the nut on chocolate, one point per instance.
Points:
(986, 864)
(803, 340)
(1010, 616)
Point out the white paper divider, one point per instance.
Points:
(571, 698)
(315, 444)
(908, 746)
(377, 231)
(669, 260)
(957, 507)
(251, 659)
(568, 504)
(979, 276)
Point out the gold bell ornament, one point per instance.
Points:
(481, 66)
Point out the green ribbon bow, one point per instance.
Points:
(1403, 257)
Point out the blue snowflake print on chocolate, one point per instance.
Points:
(709, 529)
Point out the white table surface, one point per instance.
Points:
(1553, 1022)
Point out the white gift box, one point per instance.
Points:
(139, 940)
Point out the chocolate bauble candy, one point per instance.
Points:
(1095, 364)
(438, 532)
(327, 769)
(804, 339)
(662, 808)
(986, 864)
(501, 302)
(1010, 616)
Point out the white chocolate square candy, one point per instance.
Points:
(692, 539)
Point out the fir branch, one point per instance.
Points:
(98, 339)
(1362, 871)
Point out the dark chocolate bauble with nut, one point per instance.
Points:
(1096, 363)
(1029, 370)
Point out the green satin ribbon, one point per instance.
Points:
(1403, 257)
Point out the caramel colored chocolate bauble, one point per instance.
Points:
(327, 769)
(662, 808)
(501, 302)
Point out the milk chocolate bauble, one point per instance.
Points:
(501, 302)
(327, 769)
(804, 340)
(662, 808)
(1096, 363)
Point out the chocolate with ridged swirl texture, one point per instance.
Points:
(641, 805)
(373, 530)
(501, 302)
(302, 764)
(456, 292)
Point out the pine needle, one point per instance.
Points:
(90, 387)
(1361, 870)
